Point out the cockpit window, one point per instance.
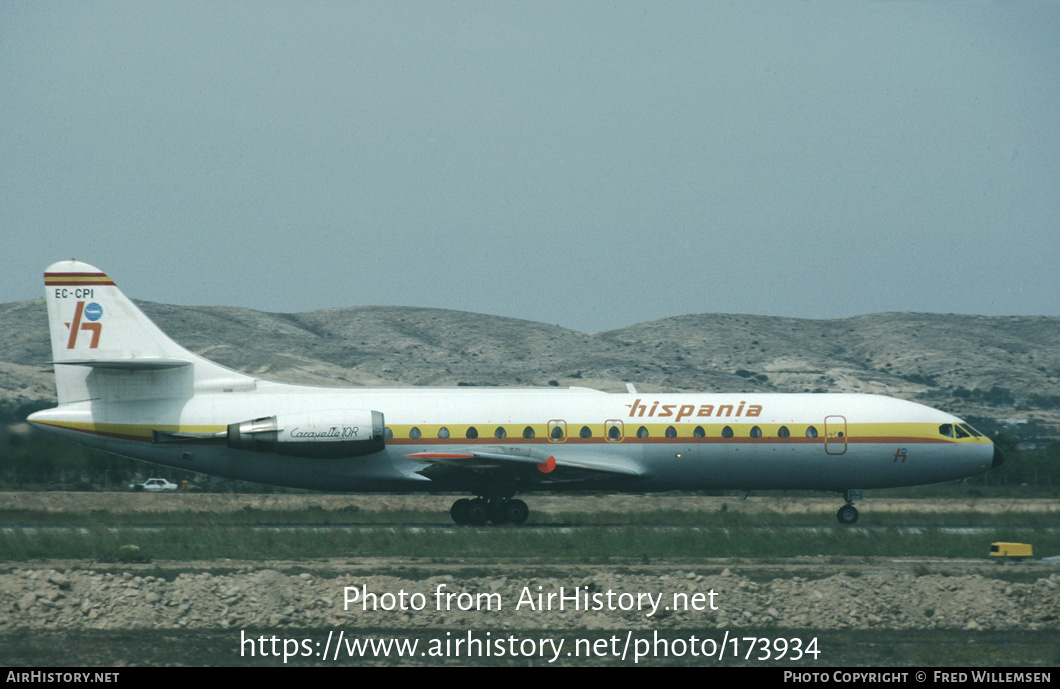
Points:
(946, 429)
(961, 433)
(971, 430)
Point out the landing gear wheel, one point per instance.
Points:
(516, 511)
(478, 512)
(499, 511)
(847, 515)
(460, 510)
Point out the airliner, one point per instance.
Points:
(125, 387)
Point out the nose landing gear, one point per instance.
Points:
(848, 514)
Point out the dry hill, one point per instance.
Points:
(997, 366)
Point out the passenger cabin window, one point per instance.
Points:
(472, 433)
(811, 432)
(642, 432)
(756, 432)
(671, 432)
(500, 433)
(443, 433)
(614, 433)
(414, 433)
(699, 432)
(783, 432)
(585, 432)
(557, 433)
(387, 433)
(528, 432)
(727, 432)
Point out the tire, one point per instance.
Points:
(460, 510)
(499, 511)
(478, 512)
(516, 511)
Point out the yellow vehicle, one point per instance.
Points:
(1016, 550)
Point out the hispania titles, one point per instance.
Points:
(683, 411)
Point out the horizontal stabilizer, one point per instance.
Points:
(134, 364)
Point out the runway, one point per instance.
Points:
(442, 529)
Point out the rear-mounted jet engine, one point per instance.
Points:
(331, 434)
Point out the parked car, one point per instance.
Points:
(155, 485)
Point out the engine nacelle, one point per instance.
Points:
(326, 434)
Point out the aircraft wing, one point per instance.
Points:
(565, 466)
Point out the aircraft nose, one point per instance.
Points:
(999, 457)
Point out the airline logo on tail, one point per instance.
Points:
(80, 286)
(93, 312)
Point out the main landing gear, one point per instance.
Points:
(848, 514)
(481, 510)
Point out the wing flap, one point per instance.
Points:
(494, 458)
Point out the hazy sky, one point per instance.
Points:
(588, 164)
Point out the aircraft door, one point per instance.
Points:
(835, 435)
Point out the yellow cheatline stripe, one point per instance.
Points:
(855, 432)
(129, 431)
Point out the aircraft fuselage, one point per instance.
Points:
(124, 386)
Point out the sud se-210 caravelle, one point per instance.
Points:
(125, 387)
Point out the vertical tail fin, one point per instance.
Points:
(100, 337)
